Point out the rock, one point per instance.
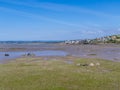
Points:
(84, 64)
(78, 64)
(7, 55)
(29, 54)
(91, 64)
(97, 64)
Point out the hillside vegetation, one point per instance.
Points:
(102, 40)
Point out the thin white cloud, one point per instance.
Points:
(75, 9)
(61, 7)
(119, 29)
(26, 14)
(93, 32)
(91, 29)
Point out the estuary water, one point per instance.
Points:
(107, 51)
(14, 54)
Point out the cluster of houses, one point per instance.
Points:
(107, 39)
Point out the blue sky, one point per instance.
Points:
(58, 19)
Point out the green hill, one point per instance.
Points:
(102, 40)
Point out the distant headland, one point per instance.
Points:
(103, 40)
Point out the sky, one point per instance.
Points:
(58, 19)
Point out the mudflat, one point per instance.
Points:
(104, 51)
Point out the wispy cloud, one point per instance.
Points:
(50, 6)
(79, 29)
(61, 7)
(93, 32)
(118, 29)
(91, 29)
(35, 16)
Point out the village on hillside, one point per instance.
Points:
(102, 40)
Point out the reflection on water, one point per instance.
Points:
(37, 53)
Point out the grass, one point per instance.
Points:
(39, 74)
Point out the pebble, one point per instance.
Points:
(97, 64)
(78, 64)
(91, 64)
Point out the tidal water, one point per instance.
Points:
(13, 54)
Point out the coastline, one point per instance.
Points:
(105, 51)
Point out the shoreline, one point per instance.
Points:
(107, 52)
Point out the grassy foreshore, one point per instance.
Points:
(59, 74)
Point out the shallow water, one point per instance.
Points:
(37, 53)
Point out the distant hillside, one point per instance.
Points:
(102, 40)
(108, 39)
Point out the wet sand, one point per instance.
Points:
(107, 52)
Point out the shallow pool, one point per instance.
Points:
(13, 55)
